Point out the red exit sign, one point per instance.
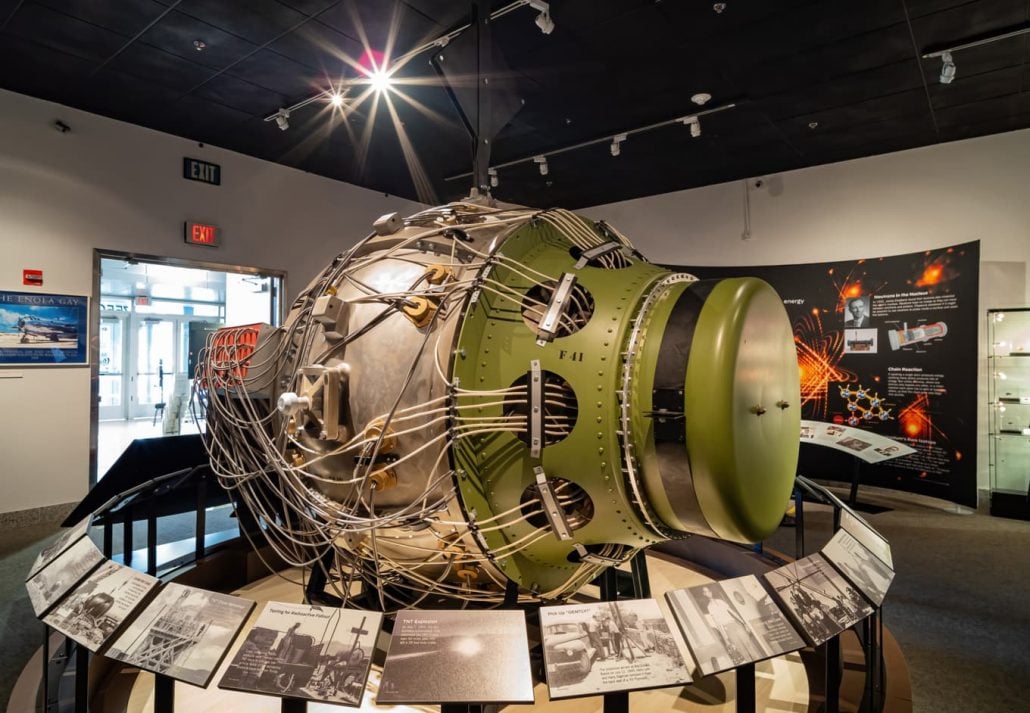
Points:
(201, 234)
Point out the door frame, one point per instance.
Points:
(278, 304)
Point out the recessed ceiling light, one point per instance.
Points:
(199, 45)
(701, 98)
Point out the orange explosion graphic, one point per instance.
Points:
(819, 357)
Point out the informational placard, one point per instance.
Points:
(872, 577)
(457, 656)
(732, 623)
(55, 580)
(309, 652)
(39, 328)
(888, 345)
(97, 607)
(183, 633)
(601, 647)
(817, 598)
(63, 542)
(865, 534)
(865, 445)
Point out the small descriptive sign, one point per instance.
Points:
(201, 234)
(194, 169)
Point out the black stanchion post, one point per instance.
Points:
(641, 581)
(81, 679)
(294, 705)
(833, 663)
(616, 702)
(201, 550)
(799, 523)
(108, 536)
(746, 688)
(856, 476)
(164, 694)
(127, 535)
(45, 698)
(152, 543)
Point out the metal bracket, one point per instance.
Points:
(559, 300)
(590, 558)
(599, 251)
(536, 409)
(554, 513)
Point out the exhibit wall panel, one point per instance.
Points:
(110, 185)
(908, 201)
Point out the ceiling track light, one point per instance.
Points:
(543, 20)
(379, 79)
(694, 123)
(282, 119)
(691, 120)
(616, 147)
(948, 69)
(494, 179)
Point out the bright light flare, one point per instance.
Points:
(336, 99)
(380, 80)
(467, 646)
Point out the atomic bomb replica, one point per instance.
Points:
(480, 395)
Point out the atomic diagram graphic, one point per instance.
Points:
(864, 405)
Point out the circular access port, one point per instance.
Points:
(560, 407)
(577, 311)
(574, 502)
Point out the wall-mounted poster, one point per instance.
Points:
(103, 601)
(183, 633)
(731, 623)
(870, 575)
(59, 577)
(601, 647)
(310, 652)
(818, 599)
(38, 328)
(457, 656)
(888, 346)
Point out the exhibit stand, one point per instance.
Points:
(815, 674)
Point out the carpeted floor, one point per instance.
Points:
(958, 606)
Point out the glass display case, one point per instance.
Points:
(1008, 356)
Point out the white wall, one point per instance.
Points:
(107, 184)
(908, 201)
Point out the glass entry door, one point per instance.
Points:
(112, 367)
(155, 363)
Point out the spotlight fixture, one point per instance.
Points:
(813, 125)
(199, 45)
(719, 7)
(701, 98)
(616, 147)
(541, 161)
(282, 119)
(543, 20)
(380, 80)
(494, 180)
(694, 123)
(947, 68)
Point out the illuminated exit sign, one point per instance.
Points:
(196, 170)
(201, 234)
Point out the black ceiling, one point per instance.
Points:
(814, 82)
